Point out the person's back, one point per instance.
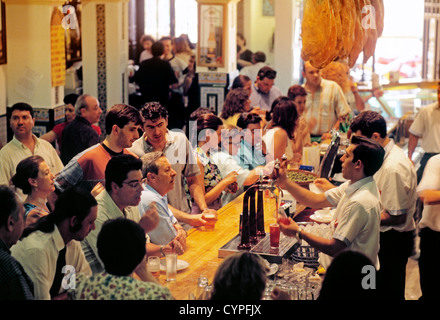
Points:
(346, 278)
(241, 276)
(155, 76)
(80, 132)
(120, 255)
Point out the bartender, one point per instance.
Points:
(356, 222)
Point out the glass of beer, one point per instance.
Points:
(153, 265)
(274, 236)
(211, 219)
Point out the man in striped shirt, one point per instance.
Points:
(325, 105)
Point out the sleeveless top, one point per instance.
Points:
(269, 140)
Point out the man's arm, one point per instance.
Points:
(303, 195)
(430, 196)
(195, 220)
(387, 219)
(197, 191)
(412, 144)
(330, 247)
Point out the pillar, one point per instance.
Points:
(35, 71)
(216, 50)
(105, 51)
(287, 50)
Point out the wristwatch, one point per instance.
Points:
(161, 250)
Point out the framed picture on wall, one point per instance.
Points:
(268, 7)
(2, 34)
(211, 35)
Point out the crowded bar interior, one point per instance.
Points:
(219, 150)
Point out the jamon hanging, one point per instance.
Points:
(335, 29)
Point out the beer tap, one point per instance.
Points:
(252, 224)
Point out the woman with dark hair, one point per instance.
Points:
(241, 276)
(279, 137)
(237, 101)
(209, 128)
(302, 132)
(34, 178)
(146, 41)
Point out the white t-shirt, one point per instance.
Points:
(431, 181)
(357, 218)
(427, 125)
(397, 184)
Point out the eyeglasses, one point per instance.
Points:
(134, 184)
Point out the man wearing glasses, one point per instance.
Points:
(120, 199)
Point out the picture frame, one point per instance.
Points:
(3, 34)
(211, 48)
(268, 8)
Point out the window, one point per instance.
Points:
(172, 17)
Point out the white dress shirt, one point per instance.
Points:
(107, 210)
(430, 181)
(397, 183)
(357, 218)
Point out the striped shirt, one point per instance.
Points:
(15, 284)
(13, 152)
(327, 105)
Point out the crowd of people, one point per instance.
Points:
(150, 181)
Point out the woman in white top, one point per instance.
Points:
(279, 137)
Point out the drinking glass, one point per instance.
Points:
(274, 236)
(153, 265)
(171, 266)
(210, 217)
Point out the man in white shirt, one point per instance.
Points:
(159, 181)
(356, 221)
(123, 187)
(25, 144)
(429, 193)
(40, 252)
(397, 184)
(263, 90)
(426, 126)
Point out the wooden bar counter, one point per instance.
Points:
(203, 246)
